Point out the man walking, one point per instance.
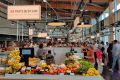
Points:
(115, 53)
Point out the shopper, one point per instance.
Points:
(110, 58)
(103, 51)
(10, 46)
(99, 64)
(115, 53)
(106, 53)
(95, 55)
(119, 62)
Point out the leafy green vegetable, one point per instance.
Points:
(85, 65)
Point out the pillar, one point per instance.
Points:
(111, 34)
(110, 22)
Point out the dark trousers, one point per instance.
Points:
(110, 58)
(96, 64)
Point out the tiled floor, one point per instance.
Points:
(108, 75)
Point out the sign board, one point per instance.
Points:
(42, 35)
(30, 33)
(24, 12)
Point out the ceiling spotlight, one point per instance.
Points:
(44, 0)
(12, 23)
(81, 10)
(49, 14)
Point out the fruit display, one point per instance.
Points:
(33, 61)
(91, 72)
(2, 70)
(72, 66)
(14, 60)
(85, 65)
(3, 60)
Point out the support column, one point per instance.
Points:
(98, 28)
(17, 30)
(110, 22)
(22, 32)
(111, 34)
(115, 19)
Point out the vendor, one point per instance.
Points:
(50, 58)
(41, 53)
(90, 54)
(11, 46)
(84, 49)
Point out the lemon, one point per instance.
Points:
(87, 74)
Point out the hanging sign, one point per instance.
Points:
(42, 35)
(24, 12)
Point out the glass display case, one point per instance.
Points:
(3, 62)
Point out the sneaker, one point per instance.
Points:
(111, 70)
(102, 64)
(119, 72)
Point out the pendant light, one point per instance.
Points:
(56, 22)
(83, 25)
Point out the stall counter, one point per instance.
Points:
(48, 77)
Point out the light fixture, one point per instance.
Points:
(56, 23)
(98, 34)
(44, 0)
(48, 37)
(92, 37)
(12, 23)
(81, 10)
(49, 14)
(50, 30)
(83, 25)
(86, 10)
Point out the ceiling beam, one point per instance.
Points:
(3, 5)
(69, 14)
(101, 1)
(96, 1)
(70, 7)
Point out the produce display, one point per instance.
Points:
(14, 62)
(73, 65)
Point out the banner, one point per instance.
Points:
(24, 12)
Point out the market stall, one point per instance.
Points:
(73, 67)
(60, 52)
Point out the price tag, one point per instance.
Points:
(12, 58)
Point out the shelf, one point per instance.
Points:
(51, 77)
(2, 65)
(5, 53)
